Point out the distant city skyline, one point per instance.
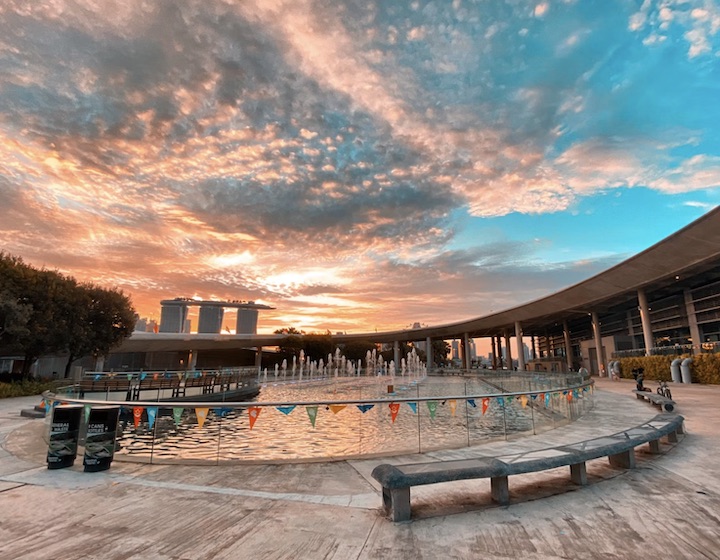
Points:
(356, 166)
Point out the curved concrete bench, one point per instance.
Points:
(396, 480)
(668, 405)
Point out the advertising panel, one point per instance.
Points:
(63, 441)
(100, 438)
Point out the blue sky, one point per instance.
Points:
(358, 165)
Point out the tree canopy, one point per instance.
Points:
(44, 312)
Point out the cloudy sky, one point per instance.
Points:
(358, 165)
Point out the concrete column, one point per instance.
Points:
(645, 319)
(192, 359)
(508, 351)
(258, 358)
(519, 343)
(493, 348)
(396, 355)
(99, 363)
(500, 352)
(568, 346)
(631, 330)
(692, 322)
(533, 351)
(467, 357)
(598, 343)
(429, 353)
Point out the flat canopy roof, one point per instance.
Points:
(215, 303)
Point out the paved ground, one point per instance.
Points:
(668, 507)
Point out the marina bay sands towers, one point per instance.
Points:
(174, 315)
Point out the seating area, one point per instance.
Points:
(663, 403)
(396, 480)
(136, 385)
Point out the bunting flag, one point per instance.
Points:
(413, 407)
(365, 407)
(485, 404)
(151, 414)
(253, 413)
(547, 399)
(47, 407)
(97, 377)
(286, 409)
(472, 403)
(137, 415)
(86, 410)
(432, 407)
(129, 376)
(179, 375)
(500, 401)
(569, 396)
(201, 414)
(523, 400)
(509, 400)
(453, 406)
(177, 415)
(222, 411)
(143, 375)
(42, 403)
(534, 397)
(312, 414)
(394, 409)
(337, 407)
(155, 375)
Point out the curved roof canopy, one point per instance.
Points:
(686, 259)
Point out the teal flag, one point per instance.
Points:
(312, 414)
(432, 408)
(472, 403)
(177, 415)
(151, 414)
(365, 407)
(413, 406)
(286, 409)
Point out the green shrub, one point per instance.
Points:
(706, 368)
(656, 367)
(25, 388)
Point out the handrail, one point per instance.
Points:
(245, 404)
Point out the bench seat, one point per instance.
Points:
(396, 480)
(668, 405)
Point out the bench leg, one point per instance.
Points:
(396, 503)
(578, 474)
(681, 429)
(626, 459)
(654, 446)
(499, 490)
(672, 437)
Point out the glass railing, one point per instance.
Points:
(340, 418)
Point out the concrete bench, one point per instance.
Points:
(668, 405)
(396, 480)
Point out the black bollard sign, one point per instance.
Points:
(100, 438)
(63, 442)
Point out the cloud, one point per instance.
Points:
(287, 151)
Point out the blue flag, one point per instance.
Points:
(365, 407)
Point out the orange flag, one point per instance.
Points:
(485, 404)
(137, 415)
(394, 409)
(569, 395)
(155, 375)
(523, 400)
(453, 406)
(253, 413)
(201, 414)
(337, 407)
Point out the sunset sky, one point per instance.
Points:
(358, 165)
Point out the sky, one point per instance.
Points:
(357, 165)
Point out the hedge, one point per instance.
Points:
(705, 368)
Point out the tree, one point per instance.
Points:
(358, 349)
(102, 319)
(42, 312)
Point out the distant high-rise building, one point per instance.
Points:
(210, 319)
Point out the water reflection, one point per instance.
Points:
(286, 433)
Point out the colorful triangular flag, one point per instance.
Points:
(137, 415)
(394, 409)
(432, 408)
(312, 414)
(201, 414)
(336, 407)
(365, 407)
(286, 409)
(151, 414)
(253, 413)
(413, 407)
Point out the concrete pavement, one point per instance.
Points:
(669, 506)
